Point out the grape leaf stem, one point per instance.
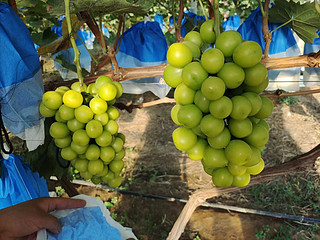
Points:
(204, 12)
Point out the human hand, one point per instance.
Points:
(24, 220)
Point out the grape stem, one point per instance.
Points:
(216, 17)
(73, 42)
(262, 9)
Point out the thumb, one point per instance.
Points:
(51, 223)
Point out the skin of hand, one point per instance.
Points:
(24, 220)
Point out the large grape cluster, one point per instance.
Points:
(219, 108)
(85, 128)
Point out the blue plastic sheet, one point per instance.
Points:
(18, 183)
(311, 76)
(86, 224)
(283, 44)
(143, 45)
(21, 85)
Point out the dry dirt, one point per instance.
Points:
(154, 166)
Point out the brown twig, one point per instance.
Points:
(93, 26)
(279, 93)
(115, 45)
(116, 69)
(180, 17)
(119, 32)
(296, 164)
(13, 5)
(210, 7)
(68, 187)
(265, 29)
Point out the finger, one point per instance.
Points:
(32, 236)
(64, 203)
(50, 222)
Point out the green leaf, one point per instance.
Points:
(98, 7)
(44, 159)
(302, 18)
(60, 59)
(45, 37)
(26, 3)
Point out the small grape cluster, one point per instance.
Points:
(85, 128)
(219, 108)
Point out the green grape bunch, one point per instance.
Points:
(219, 109)
(85, 128)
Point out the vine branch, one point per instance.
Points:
(216, 14)
(73, 42)
(265, 29)
(13, 5)
(180, 17)
(296, 164)
(104, 44)
(119, 32)
(210, 8)
(93, 26)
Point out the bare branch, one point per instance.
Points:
(296, 164)
(13, 5)
(265, 30)
(307, 60)
(210, 7)
(180, 17)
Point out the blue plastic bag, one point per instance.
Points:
(68, 54)
(311, 76)
(21, 85)
(85, 223)
(232, 23)
(143, 45)
(283, 44)
(18, 183)
(159, 19)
